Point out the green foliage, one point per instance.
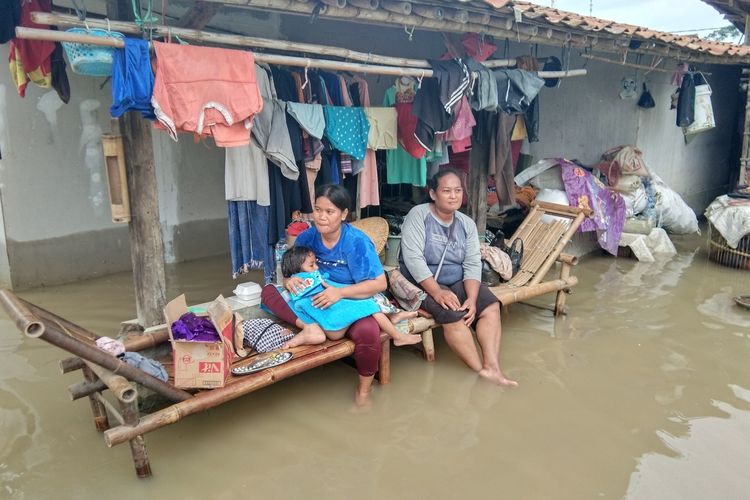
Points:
(725, 34)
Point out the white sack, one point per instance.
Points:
(675, 215)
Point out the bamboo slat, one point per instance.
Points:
(120, 387)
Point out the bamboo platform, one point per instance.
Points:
(543, 246)
(102, 371)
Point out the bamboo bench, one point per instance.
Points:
(543, 246)
(102, 371)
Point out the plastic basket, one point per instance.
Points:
(91, 60)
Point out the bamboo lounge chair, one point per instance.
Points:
(102, 371)
(543, 246)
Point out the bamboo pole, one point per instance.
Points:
(626, 64)
(403, 8)
(542, 271)
(566, 258)
(68, 326)
(237, 387)
(82, 389)
(428, 345)
(25, 321)
(562, 293)
(98, 410)
(109, 407)
(249, 41)
(137, 443)
(429, 11)
(56, 337)
(366, 4)
(302, 62)
(508, 296)
(384, 364)
(120, 387)
(335, 3)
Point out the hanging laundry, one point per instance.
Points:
(59, 75)
(132, 79)
(453, 81)
(459, 134)
(484, 90)
(501, 160)
(531, 115)
(206, 90)
(246, 174)
(347, 129)
(309, 116)
(406, 163)
(432, 118)
(478, 47)
(686, 101)
(367, 179)
(30, 59)
(10, 17)
(516, 89)
(270, 128)
(248, 239)
(383, 128)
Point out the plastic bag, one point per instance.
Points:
(646, 100)
(675, 215)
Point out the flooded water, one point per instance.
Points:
(641, 392)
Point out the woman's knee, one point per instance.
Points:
(366, 331)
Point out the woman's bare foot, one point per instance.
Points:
(407, 339)
(311, 334)
(362, 398)
(401, 316)
(497, 377)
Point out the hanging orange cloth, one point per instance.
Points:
(29, 60)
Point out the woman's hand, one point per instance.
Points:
(327, 298)
(470, 306)
(447, 300)
(294, 285)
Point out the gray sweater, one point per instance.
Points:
(423, 240)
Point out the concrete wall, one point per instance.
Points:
(54, 218)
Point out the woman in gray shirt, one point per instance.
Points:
(440, 253)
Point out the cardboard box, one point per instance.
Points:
(202, 365)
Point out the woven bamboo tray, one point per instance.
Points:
(721, 253)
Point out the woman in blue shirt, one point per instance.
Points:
(348, 256)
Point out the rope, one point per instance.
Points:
(148, 18)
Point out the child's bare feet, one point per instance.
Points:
(407, 339)
(401, 316)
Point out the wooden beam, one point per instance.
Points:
(199, 15)
(146, 244)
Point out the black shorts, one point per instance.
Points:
(485, 298)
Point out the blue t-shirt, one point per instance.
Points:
(351, 260)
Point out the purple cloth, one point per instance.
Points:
(586, 191)
(195, 328)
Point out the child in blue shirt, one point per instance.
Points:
(300, 262)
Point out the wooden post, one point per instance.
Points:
(101, 422)
(384, 365)
(428, 345)
(146, 244)
(745, 156)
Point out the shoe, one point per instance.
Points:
(516, 255)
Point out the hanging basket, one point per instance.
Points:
(91, 60)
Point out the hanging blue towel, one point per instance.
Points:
(248, 239)
(132, 79)
(338, 316)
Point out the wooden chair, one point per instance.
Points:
(543, 246)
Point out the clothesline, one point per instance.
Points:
(304, 62)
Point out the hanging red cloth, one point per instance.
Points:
(29, 60)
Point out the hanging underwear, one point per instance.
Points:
(347, 129)
(132, 79)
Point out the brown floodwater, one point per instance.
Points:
(641, 392)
